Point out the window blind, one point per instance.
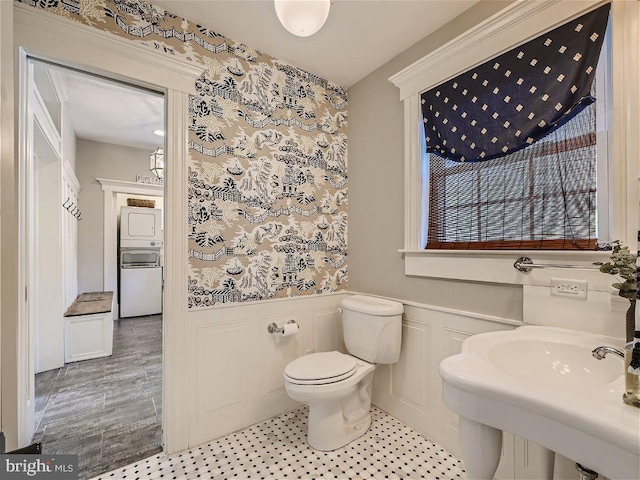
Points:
(542, 197)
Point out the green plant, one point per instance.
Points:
(623, 265)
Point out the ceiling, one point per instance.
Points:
(358, 37)
(112, 112)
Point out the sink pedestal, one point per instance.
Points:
(547, 459)
(481, 446)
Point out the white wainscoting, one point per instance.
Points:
(237, 365)
(237, 370)
(411, 390)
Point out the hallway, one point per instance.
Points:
(106, 410)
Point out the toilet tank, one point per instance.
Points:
(372, 328)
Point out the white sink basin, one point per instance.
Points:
(543, 384)
(557, 365)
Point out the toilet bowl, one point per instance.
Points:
(337, 386)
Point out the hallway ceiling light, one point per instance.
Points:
(156, 162)
(302, 17)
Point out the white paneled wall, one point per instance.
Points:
(408, 385)
(238, 366)
(71, 195)
(411, 390)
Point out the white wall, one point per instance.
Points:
(8, 345)
(68, 139)
(46, 264)
(100, 160)
(237, 366)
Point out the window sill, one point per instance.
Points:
(496, 266)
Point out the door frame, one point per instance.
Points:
(48, 37)
(111, 189)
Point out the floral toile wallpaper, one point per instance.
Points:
(267, 173)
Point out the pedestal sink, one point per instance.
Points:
(542, 384)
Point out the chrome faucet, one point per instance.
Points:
(602, 352)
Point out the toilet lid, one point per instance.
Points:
(319, 368)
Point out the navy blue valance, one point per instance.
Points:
(517, 98)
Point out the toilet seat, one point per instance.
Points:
(321, 368)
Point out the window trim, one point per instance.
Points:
(517, 23)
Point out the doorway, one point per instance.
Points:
(96, 378)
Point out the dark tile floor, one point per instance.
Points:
(107, 410)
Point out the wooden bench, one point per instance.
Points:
(88, 327)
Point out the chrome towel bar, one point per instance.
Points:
(525, 265)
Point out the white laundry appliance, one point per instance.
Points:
(140, 282)
(141, 240)
(141, 227)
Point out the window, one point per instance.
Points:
(537, 190)
(514, 25)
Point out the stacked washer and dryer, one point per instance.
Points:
(141, 242)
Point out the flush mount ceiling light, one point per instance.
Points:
(302, 17)
(156, 162)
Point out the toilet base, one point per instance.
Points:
(335, 423)
(332, 432)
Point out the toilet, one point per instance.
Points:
(337, 386)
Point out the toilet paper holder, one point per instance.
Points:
(274, 328)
